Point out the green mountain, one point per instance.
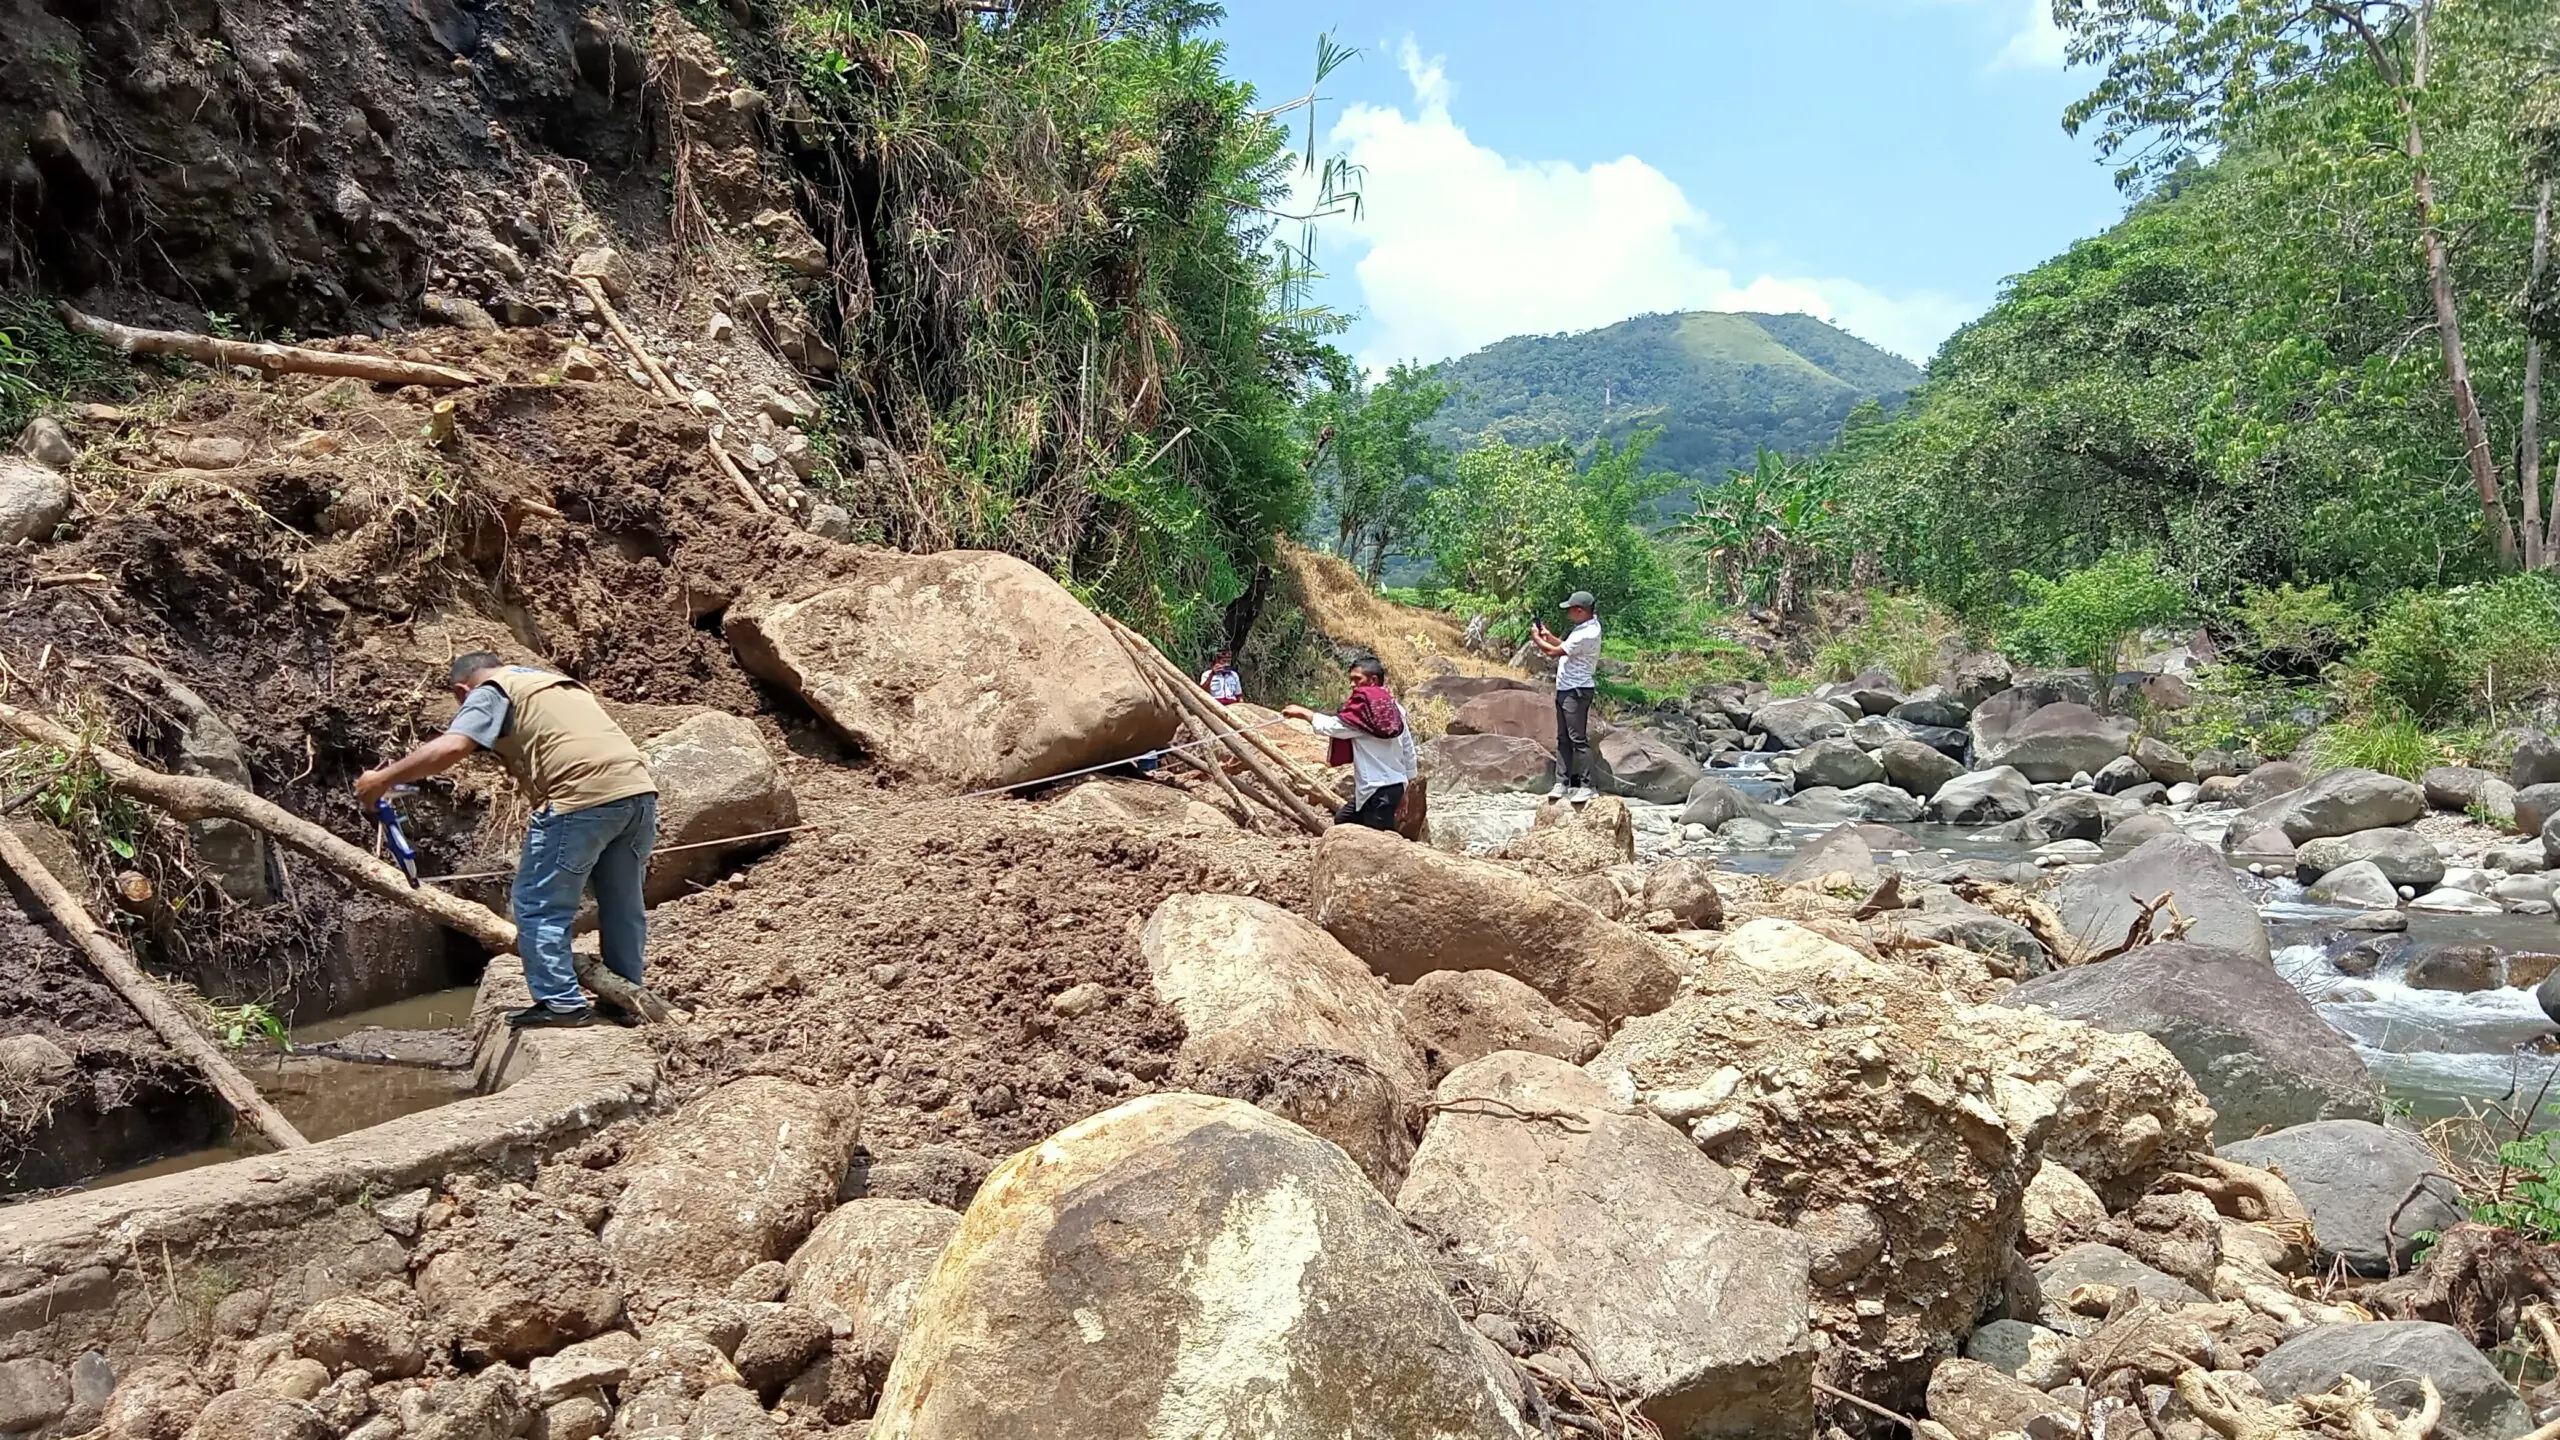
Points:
(1719, 386)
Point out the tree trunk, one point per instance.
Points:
(2457, 359)
(2537, 525)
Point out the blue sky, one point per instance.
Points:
(1543, 167)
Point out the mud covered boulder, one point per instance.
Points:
(256, 1414)
(1642, 767)
(2261, 1055)
(715, 780)
(1277, 1012)
(1713, 1341)
(1680, 894)
(1976, 1401)
(2100, 903)
(1455, 1016)
(863, 1268)
(2056, 742)
(513, 1285)
(734, 1179)
(1983, 797)
(1794, 724)
(2371, 1191)
(1568, 840)
(2478, 1402)
(157, 1400)
(2340, 802)
(350, 1330)
(1408, 910)
(1488, 763)
(962, 669)
(1137, 804)
(1797, 1061)
(1184, 1266)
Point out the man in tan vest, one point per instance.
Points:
(595, 818)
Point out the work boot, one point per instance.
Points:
(542, 1017)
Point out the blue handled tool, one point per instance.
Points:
(401, 852)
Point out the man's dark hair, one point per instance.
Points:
(471, 663)
(1371, 666)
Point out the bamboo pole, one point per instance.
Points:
(1198, 702)
(1199, 705)
(667, 387)
(273, 359)
(195, 797)
(156, 1009)
(1210, 768)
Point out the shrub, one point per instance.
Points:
(1900, 634)
(2443, 653)
(2087, 617)
(2290, 631)
(2527, 1197)
(2391, 743)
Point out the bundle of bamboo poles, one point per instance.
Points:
(1268, 777)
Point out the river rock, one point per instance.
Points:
(2353, 1176)
(2359, 884)
(1975, 678)
(2478, 1402)
(1794, 724)
(2248, 840)
(1714, 800)
(1917, 767)
(2261, 1055)
(1269, 1002)
(1842, 851)
(1715, 1341)
(2454, 787)
(2340, 802)
(34, 499)
(1991, 719)
(1641, 767)
(2534, 806)
(2163, 761)
(1976, 1401)
(2119, 775)
(1684, 890)
(1408, 910)
(2443, 901)
(715, 780)
(922, 661)
(1883, 804)
(1491, 763)
(2090, 1263)
(1983, 797)
(738, 1178)
(1934, 706)
(2099, 904)
(1837, 763)
(864, 1266)
(1458, 1016)
(2257, 786)
(2536, 762)
(2140, 827)
(2058, 741)
(2022, 1351)
(2461, 966)
(2403, 856)
(510, 1286)
(1193, 1266)
(2070, 815)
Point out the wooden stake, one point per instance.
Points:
(1200, 705)
(1198, 702)
(164, 1017)
(195, 797)
(667, 387)
(1210, 768)
(273, 359)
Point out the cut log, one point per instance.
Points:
(257, 355)
(156, 1009)
(194, 797)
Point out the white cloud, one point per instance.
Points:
(1460, 245)
(2037, 45)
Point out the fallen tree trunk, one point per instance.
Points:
(194, 797)
(273, 359)
(164, 1017)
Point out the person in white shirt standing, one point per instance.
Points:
(1370, 734)
(1577, 657)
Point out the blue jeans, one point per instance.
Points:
(604, 848)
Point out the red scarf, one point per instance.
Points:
(1372, 709)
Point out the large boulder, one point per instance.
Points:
(1713, 1342)
(2358, 884)
(1963, 1100)
(1983, 797)
(1457, 690)
(2403, 856)
(863, 1267)
(2372, 1192)
(2056, 742)
(2261, 1055)
(2099, 904)
(1183, 1266)
(1455, 1016)
(716, 780)
(1488, 763)
(1642, 767)
(2536, 762)
(2276, 777)
(1917, 767)
(33, 500)
(1934, 706)
(1794, 724)
(1838, 763)
(961, 669)
(1275, 1011)
(2454, 787)
(2162, 761)
(2340, 802)
(1409, 909)
(2479, 1404)
(735, 1179)
(1714, 800)
(511, 1286)
(1520, 714)
(1843, 851)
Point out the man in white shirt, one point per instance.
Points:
(1577, 657)
(1381, 765)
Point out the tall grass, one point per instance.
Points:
(2392, 743)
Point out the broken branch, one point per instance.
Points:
(257, 355)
